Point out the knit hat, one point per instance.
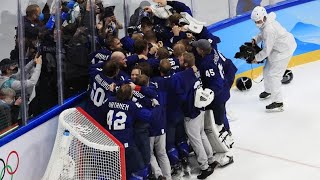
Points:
(203, 44)
(109, 11)
(6, 63)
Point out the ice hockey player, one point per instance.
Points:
(186, 83)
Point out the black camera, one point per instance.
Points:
(248, 51)
(161, 33)
(134, 29)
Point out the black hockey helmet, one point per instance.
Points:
(243, 83)
(287, 77)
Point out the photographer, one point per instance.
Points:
(278, 48)
(10, 77)
(139, 13)
(111, 24)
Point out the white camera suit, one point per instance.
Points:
(278, 48)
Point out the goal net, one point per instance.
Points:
(84, 150)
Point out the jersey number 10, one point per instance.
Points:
(97, 95)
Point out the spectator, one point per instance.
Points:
(139, 13)
(10, 77)
(9, 107)
(111, 24)
(31, 21)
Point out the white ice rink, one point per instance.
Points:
(277, 146)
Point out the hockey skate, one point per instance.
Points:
(205, 173)
(264, 95)
(222, 159)
(176, 170)
(227, 160)
(185, 167)
(161, 178)
(214, 165)
(275, 107)
(151, 177)
(230, 140)
(226, 138)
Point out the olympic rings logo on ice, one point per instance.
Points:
(82, 129)
(8, 167)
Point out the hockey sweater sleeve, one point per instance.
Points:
(178, 87)
(150, 92)
(16, 85)
(182, 35)
(132, 60)
(142, 113)
(94, 69)
(28, 68)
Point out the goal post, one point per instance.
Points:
(84, 150)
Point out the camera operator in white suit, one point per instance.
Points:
(278, 48)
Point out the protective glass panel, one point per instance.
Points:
(77, 39)
(10, 84)
(39, 57)
(88, 33)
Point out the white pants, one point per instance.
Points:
(158, 143)
(199, 140)
(272, 74)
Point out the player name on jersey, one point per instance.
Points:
(138, 94)
(104, 84)
(101, 56)
(118, 105)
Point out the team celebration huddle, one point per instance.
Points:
(162, 90)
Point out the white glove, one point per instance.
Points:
(161, 12)
(155, 102)
(203, 97)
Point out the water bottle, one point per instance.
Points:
(65, 142)
(71, 4)
(51, 22)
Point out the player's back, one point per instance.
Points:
(121, 116)
(159, 113)
(186, 83)
(99, 91)
(99, 56)
(213, 77)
